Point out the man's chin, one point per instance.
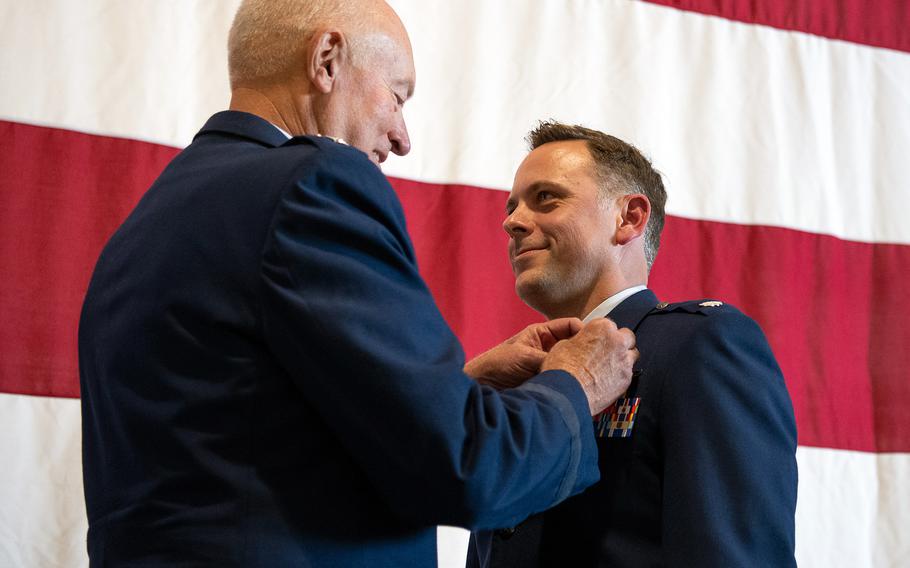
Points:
(535, 292)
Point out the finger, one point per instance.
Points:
(605, 323)
(531, 356)
(552, 332)
(628, 338)
(563, 328)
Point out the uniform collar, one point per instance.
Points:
(246, 125)
(607, 305)
(633, 309)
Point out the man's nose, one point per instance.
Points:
(401, 142)
(517, 223)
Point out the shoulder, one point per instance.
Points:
(710, 342)
(704, 307)
(695, 318)
(326, 175)
(315, 158)
(338, 170)
(705, 332)
(326, 155)
(334, 193)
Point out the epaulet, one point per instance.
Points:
(706, 307)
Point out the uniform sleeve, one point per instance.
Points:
(355, 327)
(729, 440)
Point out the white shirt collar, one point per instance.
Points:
(288, 136)
(607, 305)
(281, 130)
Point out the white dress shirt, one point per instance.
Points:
(607, 305)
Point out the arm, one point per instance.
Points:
(354, 325)
(729, 438)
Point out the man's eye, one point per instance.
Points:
(544, 195)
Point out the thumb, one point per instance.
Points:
(556, 330)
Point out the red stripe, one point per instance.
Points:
(834, 310)
(62, 194)
(883, 23)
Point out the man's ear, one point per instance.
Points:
(635, 211)
(327, 53)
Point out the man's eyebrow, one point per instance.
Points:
(534, 187)
(543, 184)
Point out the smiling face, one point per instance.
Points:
(561, 231)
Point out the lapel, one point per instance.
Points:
(633, 309)
(630, 313)
(245, 125)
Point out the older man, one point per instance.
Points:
(698, 457)
(266, 380)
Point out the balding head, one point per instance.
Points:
(340, 68)
(268, 39)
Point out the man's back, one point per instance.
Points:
(234, 461)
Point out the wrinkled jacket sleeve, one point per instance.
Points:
(352, 322)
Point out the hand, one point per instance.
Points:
(518, 358)
(600, 357)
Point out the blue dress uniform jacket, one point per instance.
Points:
(706, 475)
(266, 380)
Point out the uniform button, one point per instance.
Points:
(662, 305)
(505, 534)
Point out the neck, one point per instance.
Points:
(276, 104)
(583, 305)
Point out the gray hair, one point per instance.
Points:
(268, 37)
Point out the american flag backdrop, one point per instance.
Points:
(782, 129)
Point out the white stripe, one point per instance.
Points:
(151, 70)
(42, 508)
(750, 124)
(853, 507)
